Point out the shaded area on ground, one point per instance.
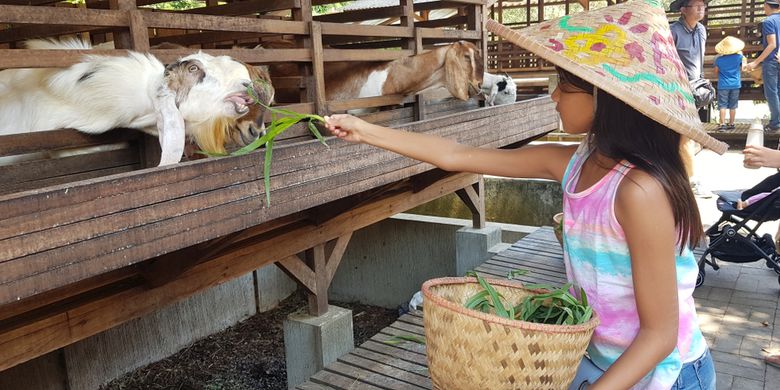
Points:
(248, 355)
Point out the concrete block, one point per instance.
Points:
(472, 247)
(311, 343)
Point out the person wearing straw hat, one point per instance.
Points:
(770, 69)
(630, 217)
(728, 66)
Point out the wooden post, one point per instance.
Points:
(122, 40)
(318, 299)
(304, 14)
(474, 198)
(317, 270)
(318, 67)
(415, 44)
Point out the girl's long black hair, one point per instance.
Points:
(621, 132)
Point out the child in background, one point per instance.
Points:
(728, 66)
(630, 216)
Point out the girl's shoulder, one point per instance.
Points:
(640, 189)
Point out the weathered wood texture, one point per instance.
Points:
(386, 362)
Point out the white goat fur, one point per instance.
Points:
(105, 92)
(498, 89)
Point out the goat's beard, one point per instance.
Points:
(211, 135)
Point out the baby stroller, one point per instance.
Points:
(734, 237)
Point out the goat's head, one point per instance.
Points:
(463, 69)
(213, 98)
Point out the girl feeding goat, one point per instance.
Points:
(200, 96)
(628, 221)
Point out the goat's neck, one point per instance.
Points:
(416, 73)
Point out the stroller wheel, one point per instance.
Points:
(700, 277)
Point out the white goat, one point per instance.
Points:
(498, 89)
(199, 95)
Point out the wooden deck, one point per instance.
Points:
(385, 362)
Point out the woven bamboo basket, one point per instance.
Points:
(468, 349)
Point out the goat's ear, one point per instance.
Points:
(455, 73)
(170, 126)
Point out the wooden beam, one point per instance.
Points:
(62, 16)
(474, 198)
(585, 4)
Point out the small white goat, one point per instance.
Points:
(498, 89)
(199, 95)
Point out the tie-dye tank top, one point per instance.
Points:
(598, 260)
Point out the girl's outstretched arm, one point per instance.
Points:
(543, 161)
(645, 214)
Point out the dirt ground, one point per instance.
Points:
(248, 355)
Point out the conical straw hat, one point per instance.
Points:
(729, 45)
(626, 50)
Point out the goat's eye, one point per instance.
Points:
(193, 68)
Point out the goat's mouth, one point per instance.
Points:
(241, 102)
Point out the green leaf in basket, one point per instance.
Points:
(495, 297)
(476, 300)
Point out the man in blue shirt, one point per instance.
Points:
(689, 35)
(768, 59)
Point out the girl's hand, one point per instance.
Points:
(346, 127)
(760, 156)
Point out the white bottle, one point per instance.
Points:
(755, 137)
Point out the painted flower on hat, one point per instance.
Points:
(609, 46)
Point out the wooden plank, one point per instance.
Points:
(429, 33)
(339, 381)
(411, 328)
(397, 354)
(246, 7)
(35, 170)
(420, 369)
(13, 144)
(221, 23)
(312, 386)
(364, 55)
(379, 370)
(361, 30)
(362, 14)
(369, 377)
(33, 185)
(62, 16)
